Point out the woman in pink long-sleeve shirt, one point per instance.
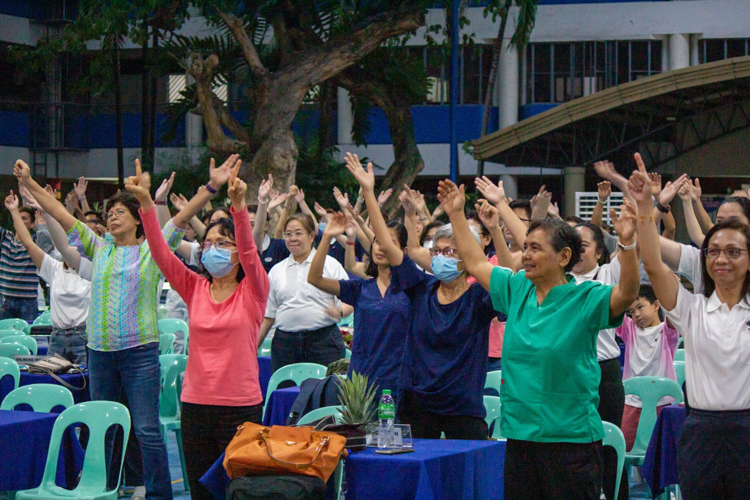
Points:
(225, 309)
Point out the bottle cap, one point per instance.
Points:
(387, 391)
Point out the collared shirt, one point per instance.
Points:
(606, 344)
(690, 266)
(17, 271)
(296, 304)
(717, 350)
(70, 293)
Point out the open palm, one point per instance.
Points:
(365, 176)
(451, 197)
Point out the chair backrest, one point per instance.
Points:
(15, 324)
(493, 406)
(346, 321)
(650, 390)
(10, 332)
(162, 312)
(9, 367)
(174, 325)
(172, 365)
(98, 416)
(348, 354)
(166, 343)
(319, 413)
(494, 380)
(43, 319)
(25, 340)
(265, 347)
(613, 437)
(41, 397)
(679, 370)
(10, 350)
(679, 355)
(297, 373)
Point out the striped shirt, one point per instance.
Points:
(124, 289)
(17, 271)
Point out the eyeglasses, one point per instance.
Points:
(731, 253)
(220, 245)
(447, 251)
(118, 213)
(296, 235)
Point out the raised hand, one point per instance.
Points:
(220, 175)
(365, 176)
(685, 191)
(80, 187)
(11, 202)
(488, 214)
(407, 200)
(237, 188)
(605, 169)
(383, 196)
(671, 189)
(299, 197)
(351, 228)
(178, 202)
(451, 197)
(341, 199)
(139, 184)
(655, 184)
(277, 200)
(625, 224)
(320, 210)
(553, 210)
(22, 171)
(494, 193)
(336, 225)
(71, 202)
(639, 186)
(29, 200)
(164, 189)
(695, 190)
(604, 190)
(265, 190)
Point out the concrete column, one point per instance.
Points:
(508, 81)
(679, 51)
(345, 117)
(694, 50)
(193, 131)
(510, 184)
(664, 53)
(575, 181)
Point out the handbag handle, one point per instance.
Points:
(322, 444)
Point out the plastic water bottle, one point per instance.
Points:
(386, 414)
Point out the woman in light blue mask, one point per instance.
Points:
(445, 353)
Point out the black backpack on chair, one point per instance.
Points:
(288, 487)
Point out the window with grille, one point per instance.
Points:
(586, 201)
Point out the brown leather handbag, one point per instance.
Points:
(259, 450)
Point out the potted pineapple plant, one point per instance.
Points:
(358, 409)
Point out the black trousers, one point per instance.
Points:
(552, 471)
(206, 432)
(322, 346)
(713, 455)
(611, 406)
(428, 425)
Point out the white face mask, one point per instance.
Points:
(428, 244)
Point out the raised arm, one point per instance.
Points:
(416, 252)
(453, 199)
(604, 190)
(218, 177)
(350, 258)
(542, 204)
(160, 201)
(665, 285)
(670, 226)
(626, 290)
(490, 217)
(179, 202)
(261, 215)
(36, 253)
(80, 190)
(606, 170)
(496, 195)
(335, 227)
(694, 228)
(286, 212)
(366, 179)
(302, 204)
(700, 211)
(48, 203)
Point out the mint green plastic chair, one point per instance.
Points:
(162, 312)
(319, 413)
(613, 437)
(493, 407)
(98, 416)
(265, 347)
(297, 373)
(172, 366)
(10, 332)
(494, 380)
(174, 325)
(10, 350)
(43, 319)
(650, 390)
(41, 397)
(679, 355)
(346, 321)
(348, 354)
(25, 340)
(679, 370)
(15, 324)
(10, 368)
(166, 343)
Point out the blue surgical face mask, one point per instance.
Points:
(445, 268)
(108, 237)
(217, 262)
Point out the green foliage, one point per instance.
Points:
(524, 22)
(357, 399)
(317, 179)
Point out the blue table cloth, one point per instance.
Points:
(23, 451)
(264, 373)
(74, 379)
(437, 469)
(660, 464)
(279, 405)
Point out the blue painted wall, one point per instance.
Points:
(102, 131)
(14, 129)
(530, 110)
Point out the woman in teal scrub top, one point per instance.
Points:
(550, 370)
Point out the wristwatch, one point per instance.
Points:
(662, 208)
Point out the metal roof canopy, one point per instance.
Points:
(662, 117)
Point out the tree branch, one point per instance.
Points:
(248, 48)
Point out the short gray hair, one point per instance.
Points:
(446, 232)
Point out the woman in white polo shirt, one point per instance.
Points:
(713, 455)
(305, 332)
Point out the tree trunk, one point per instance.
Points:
(144, 97)
(496, 48)
(152, 108)
(118, 119)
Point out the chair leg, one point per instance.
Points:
(178, 436)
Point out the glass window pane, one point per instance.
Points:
(714, 50)
(735, 47)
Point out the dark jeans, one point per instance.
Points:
(26, 309)
(428, 425)
(206, 432)
(322, 346)
(713, 455)
(70, 344)
(553, 471)
(611, 406)
(137, 371)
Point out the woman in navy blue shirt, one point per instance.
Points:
(381, 315)
(445, 357)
